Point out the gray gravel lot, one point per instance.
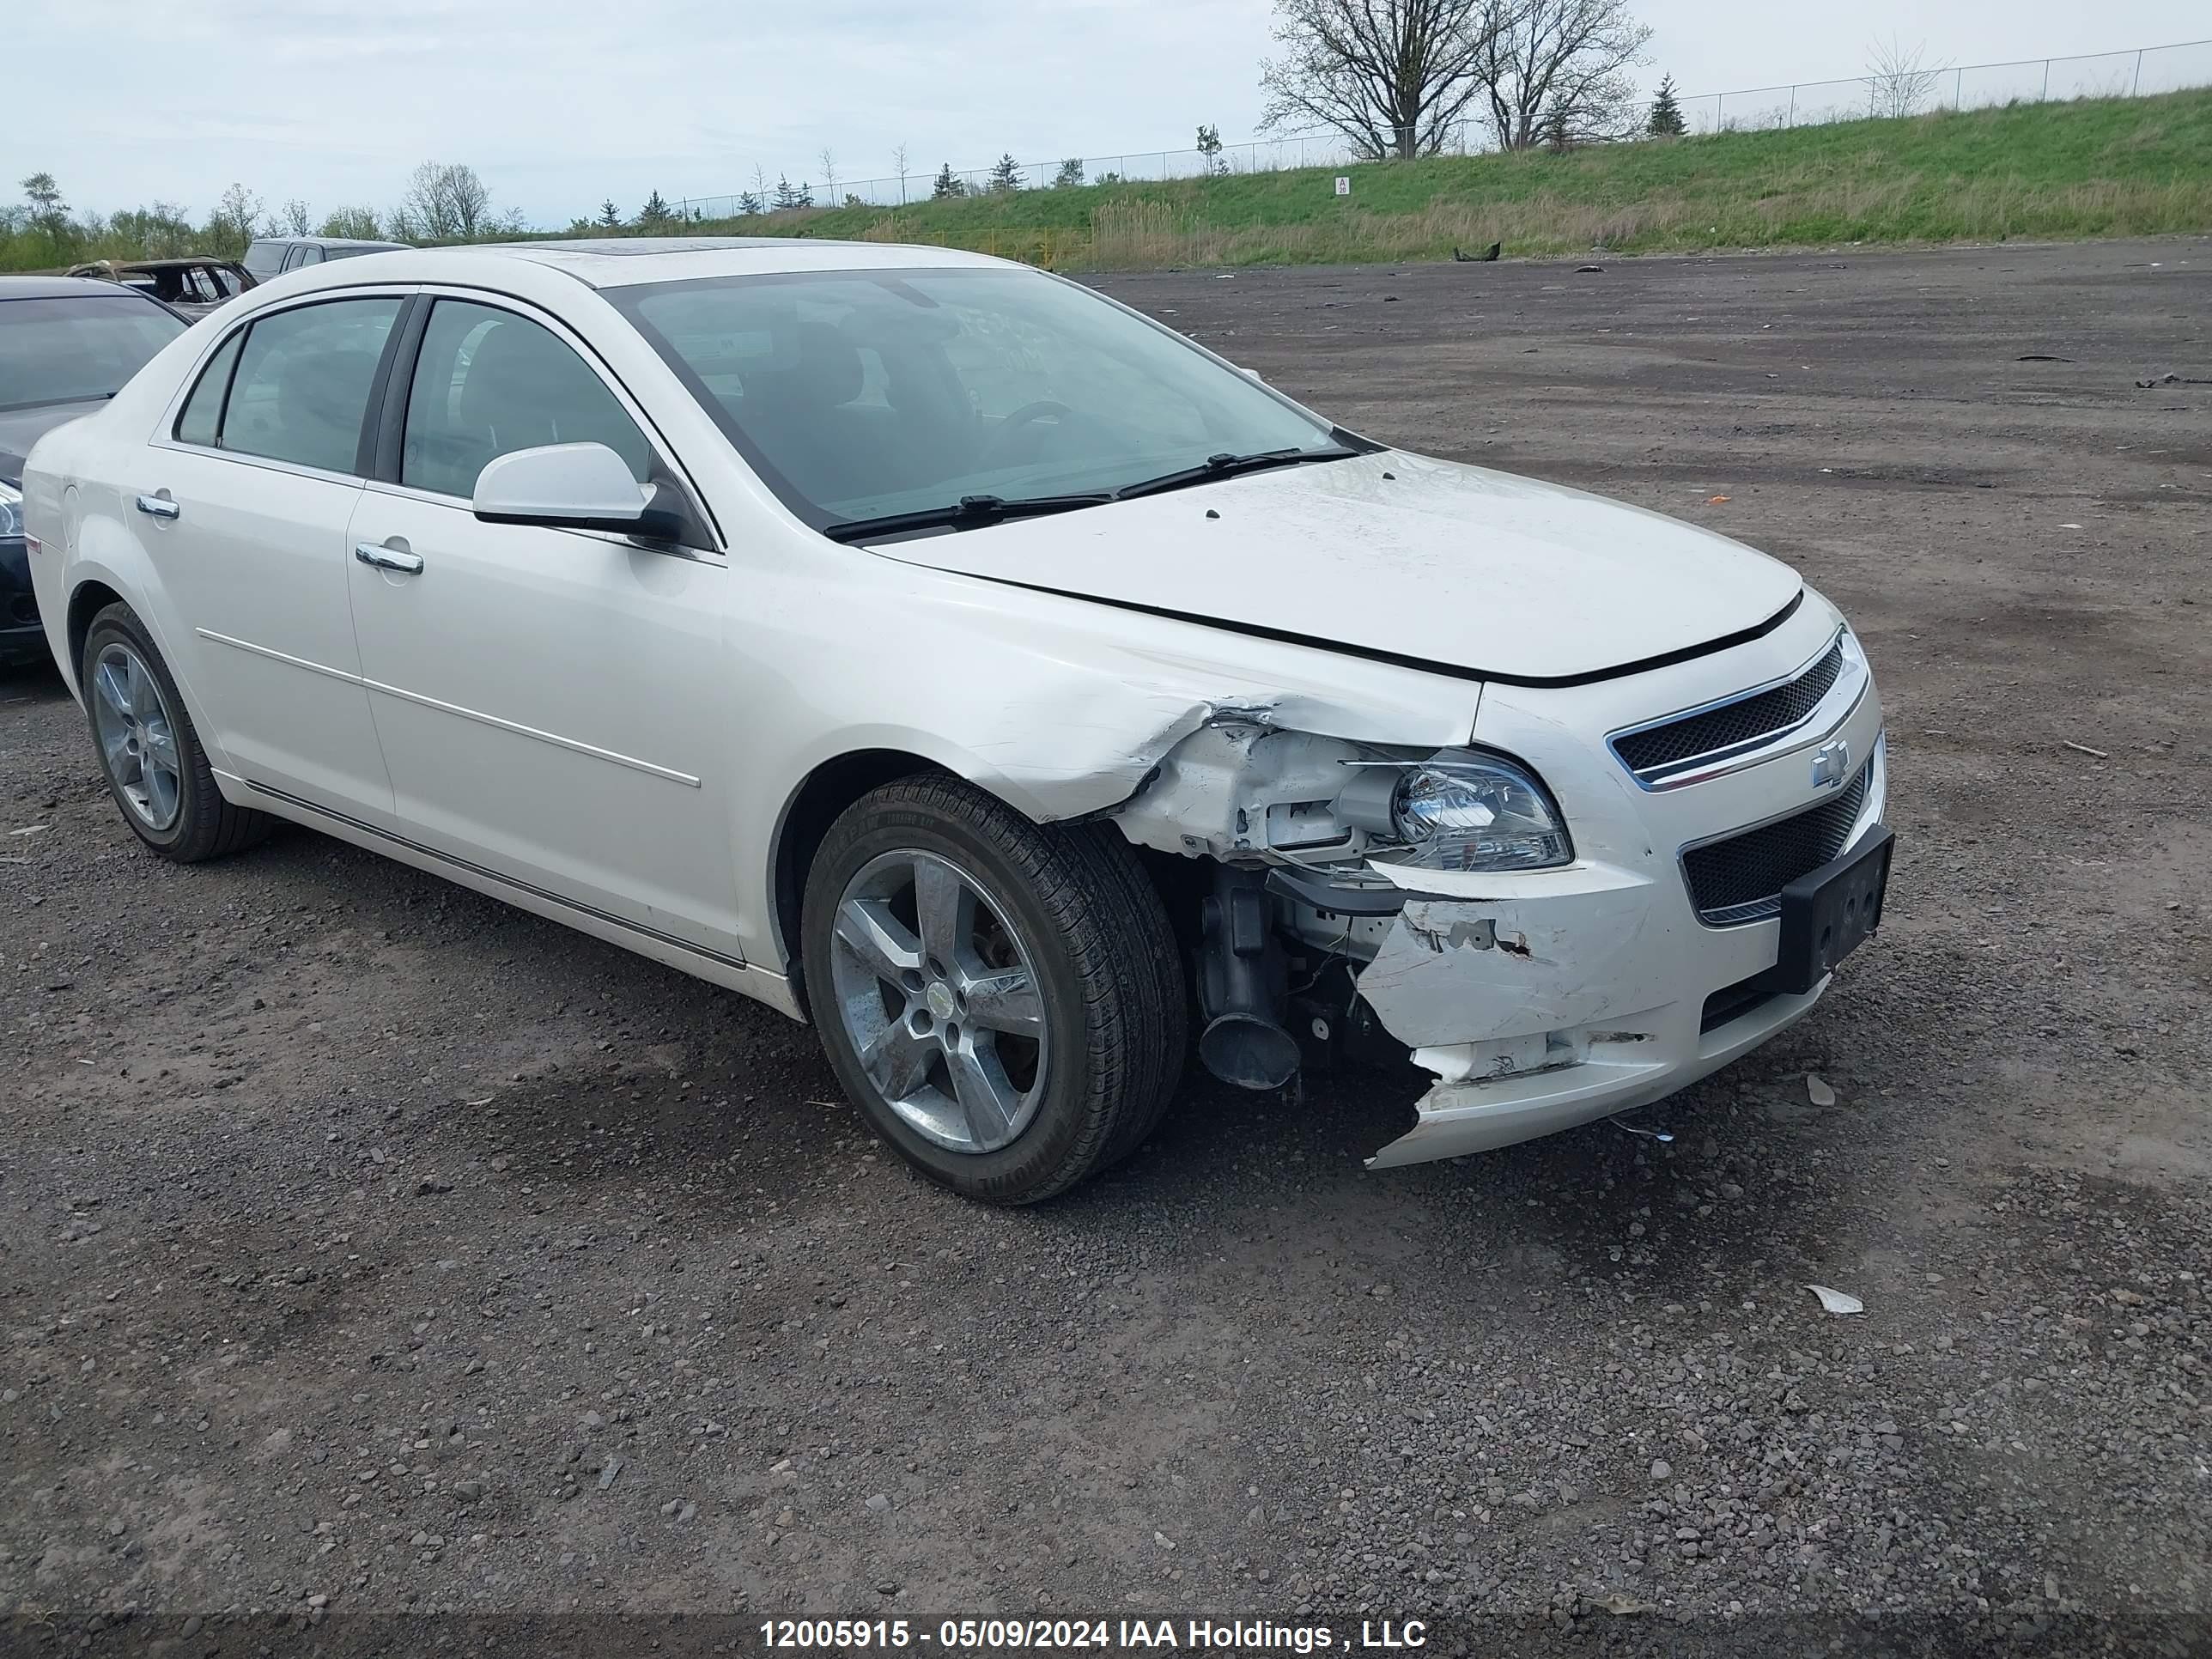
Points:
(370, 1251)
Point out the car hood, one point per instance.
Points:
(1402, 558)
(21, 427)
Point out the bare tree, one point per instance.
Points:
(446, 200)
(295, 217)
(230, 226)
(47, 211)
(1392, 75)
(829, 172)
(1899, 82)
(898, 159)
(1557, 72)
(359, 223)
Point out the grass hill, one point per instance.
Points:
(2094, 167)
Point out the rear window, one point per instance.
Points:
(76, 347)
(300, 390)
(264, 260)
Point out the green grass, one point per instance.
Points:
(2096, 167)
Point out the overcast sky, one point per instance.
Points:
(560, 103)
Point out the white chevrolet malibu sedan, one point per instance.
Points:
(937, 651)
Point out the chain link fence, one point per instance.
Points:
(2134, 72)
(2137, 72)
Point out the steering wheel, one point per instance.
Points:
(1043, 409)
(1007, 438)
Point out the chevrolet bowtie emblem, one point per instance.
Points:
(1832, 764)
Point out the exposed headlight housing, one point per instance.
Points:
(1460, 809)
(11, 512)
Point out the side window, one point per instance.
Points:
(488, 383)
(292, 258)
(202, 416)
(311, 255)
(303, 380)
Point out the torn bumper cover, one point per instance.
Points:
(1545, 1001)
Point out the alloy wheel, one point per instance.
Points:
(934, 986)
(138, 736)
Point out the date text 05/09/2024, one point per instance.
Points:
(974, 1635)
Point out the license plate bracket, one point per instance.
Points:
(1828, 913)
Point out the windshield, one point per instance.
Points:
(862, 395)
(75, 348)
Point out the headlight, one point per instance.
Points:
(1479, 813)
(1460, 810)
(11, 512)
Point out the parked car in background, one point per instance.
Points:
(931, 647)
(271, 255)
(66, 347)
(193, 286)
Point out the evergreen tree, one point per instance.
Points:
(1070, 174)
(1667, 120)
(749, 205)
(655, 212)
(786, 197)
(948, 184)
(610, 215)
(1005, 174)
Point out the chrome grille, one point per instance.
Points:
(1744, 722)
(1741, 878)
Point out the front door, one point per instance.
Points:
(552, 704)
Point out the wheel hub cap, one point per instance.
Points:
(936, 994)
(137, 736)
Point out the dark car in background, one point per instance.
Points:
(67, 344)
(271, 255)
(194, 286)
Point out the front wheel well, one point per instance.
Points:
(828, 790)
(89, 599)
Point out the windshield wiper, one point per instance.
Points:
(1225, 465)
(967, 513)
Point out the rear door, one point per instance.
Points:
(244, 498)
(553, 704)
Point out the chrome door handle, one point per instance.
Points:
(388, 558)
(158, 506)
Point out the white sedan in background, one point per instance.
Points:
(932, 648)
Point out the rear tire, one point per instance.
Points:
(149, 751)
(1002, 1000)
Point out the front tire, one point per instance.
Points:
(1002, 1000)
(148, 750)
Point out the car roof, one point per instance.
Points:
(158, 264)
(325, 241)
(624, 261)
(61, 288)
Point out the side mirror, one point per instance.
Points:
(564, 486)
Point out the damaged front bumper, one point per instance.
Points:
(1595, 990)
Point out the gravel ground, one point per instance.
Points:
(372, 1252)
